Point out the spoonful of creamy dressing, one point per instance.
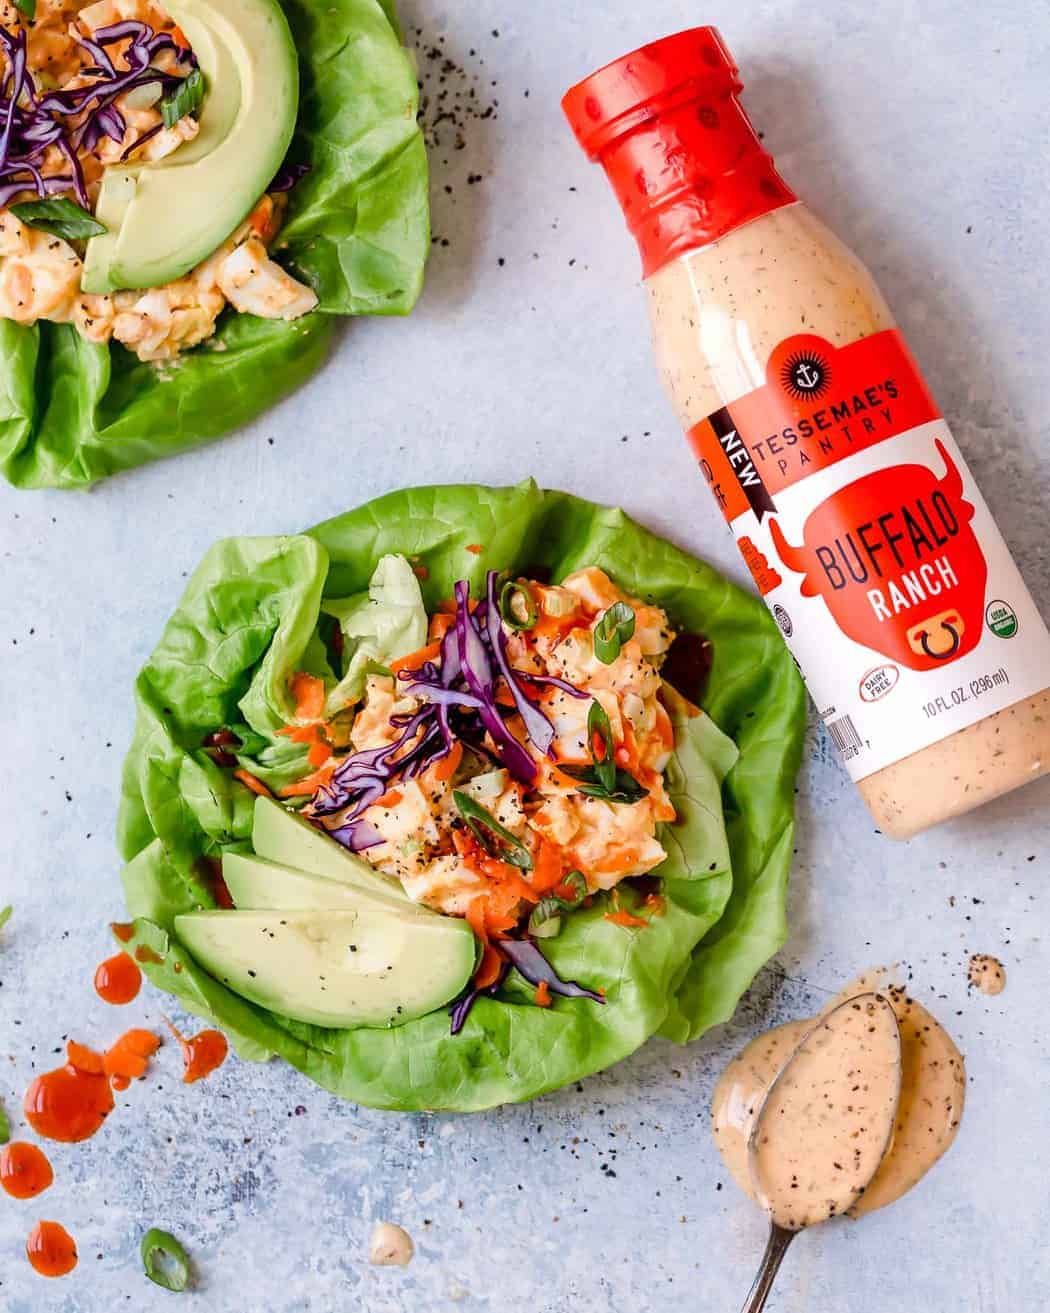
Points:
(838, 1115)
(824, 1125)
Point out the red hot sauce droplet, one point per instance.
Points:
(51, 1250)
(118, 980)
(24, 1170)
(70, 1103)
(202, 1054)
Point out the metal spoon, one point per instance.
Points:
(780, 1236)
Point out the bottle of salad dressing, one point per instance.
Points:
(844, 489)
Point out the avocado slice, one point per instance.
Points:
(258, 884)
(373, 966)
(282, 837)
(164, 218)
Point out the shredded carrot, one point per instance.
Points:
(543, 995)
(657, 904)
(421, 572)
(84, 1059)
(389, 799)
(308, 692)
(249, 781)
(488, 972)
(625, 918)
(476, 548)
(299, 733)
(415, 659)
(547, 867)
(319, 753)
(440, 624)
(309, 784)
(447, 766)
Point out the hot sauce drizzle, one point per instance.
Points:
(124, 931)
(202, 1053)
(24, 1170)
(70, 1103)
(118, 980)
(51, 1250)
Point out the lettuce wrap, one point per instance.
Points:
(357, 231)
(258, 609)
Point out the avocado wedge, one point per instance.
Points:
(371, 966)
(256, 884)
(165, 217)
(281, 836)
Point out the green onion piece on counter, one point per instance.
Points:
(614, 628)
(5, 1126)
(5, 915)
(60, 217)
(183, 99)
(165, 1261)
(517, 605)
(484, 826)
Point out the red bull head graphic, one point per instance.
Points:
(896, 560)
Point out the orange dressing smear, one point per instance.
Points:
(51, 1250)
(202, 1053)
(123, 930)
(24, 1170)
(118, 980)
(146, 954)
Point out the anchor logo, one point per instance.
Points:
(805, 376)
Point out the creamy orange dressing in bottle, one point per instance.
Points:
(852, 505)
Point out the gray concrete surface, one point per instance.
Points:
(921, 133)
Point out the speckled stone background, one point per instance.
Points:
(920, 132)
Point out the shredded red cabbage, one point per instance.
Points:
(526, 956)
(287, 176)
(457, 698)
(75, 119)
(461, 1008)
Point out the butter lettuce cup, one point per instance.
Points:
(192, 192)
(461, 796)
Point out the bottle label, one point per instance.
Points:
(873, 548)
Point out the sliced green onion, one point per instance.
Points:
(577, 883)
(479, 821)
(511, 610)
(5, 1126)
(60, 217)
(5, 915)
(599, 730)
(624, 787)
(183, 99)
(545, 921)
(165, 1261)
(27, 7)
(614, 628)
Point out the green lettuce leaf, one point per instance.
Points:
(73, 412)
(386, 622)
(244, 626)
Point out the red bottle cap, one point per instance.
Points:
(681, 154)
